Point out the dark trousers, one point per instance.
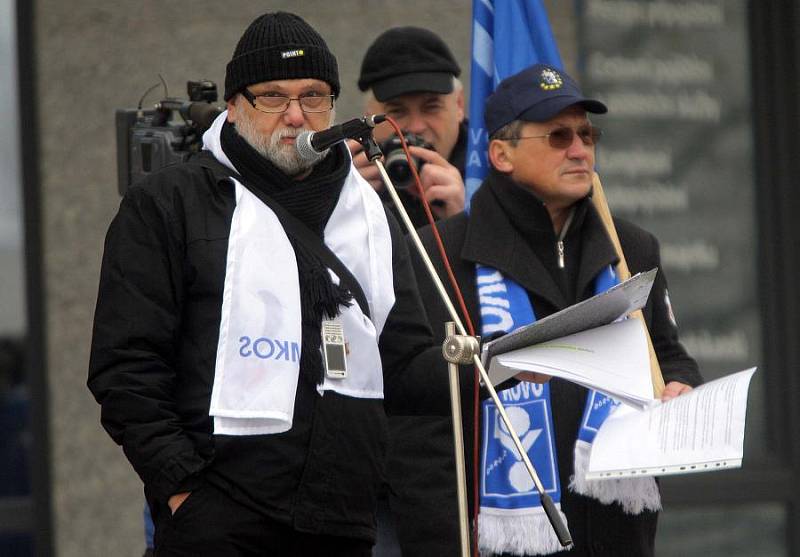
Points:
(386, 545)
(209, 523)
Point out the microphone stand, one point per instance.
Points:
(373, 153)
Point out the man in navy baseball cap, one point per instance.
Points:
(532, 244)
(541, 138)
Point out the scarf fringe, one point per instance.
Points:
(528, 533)
(634, 495)
(319, 299)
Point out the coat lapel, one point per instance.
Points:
(491, 240)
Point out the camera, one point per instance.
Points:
(171, 131)
(396, 162)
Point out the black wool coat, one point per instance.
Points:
(152, 369)
(421, 463)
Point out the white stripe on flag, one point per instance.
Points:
(483, 48)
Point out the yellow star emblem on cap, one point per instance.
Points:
(550, 80)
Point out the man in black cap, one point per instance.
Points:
(410, 74)
(252, 431)
(532, 244)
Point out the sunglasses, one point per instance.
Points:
(562, 138)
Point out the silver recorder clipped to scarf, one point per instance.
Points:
(334, 349)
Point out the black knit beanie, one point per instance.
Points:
(276, 46)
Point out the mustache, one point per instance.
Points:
(281, 133)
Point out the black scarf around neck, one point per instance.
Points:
(311, 200)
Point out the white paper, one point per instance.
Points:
(612, 359)
(601, 309)
(700, 431)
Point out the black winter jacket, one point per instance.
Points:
(421, 458)
(152, 368)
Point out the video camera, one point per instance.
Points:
(171, 131)
(396, 163)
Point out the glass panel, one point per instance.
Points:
(718, 531)
(677, 158)
(15, 434)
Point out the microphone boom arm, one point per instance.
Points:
(560, 528)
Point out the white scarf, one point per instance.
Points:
(258, 351)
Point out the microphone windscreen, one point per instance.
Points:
(305, 149)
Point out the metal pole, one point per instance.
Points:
(458, 442)
(547, 503)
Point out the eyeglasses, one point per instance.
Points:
(274, 104)
(562, 138)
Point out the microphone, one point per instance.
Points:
(311, 146)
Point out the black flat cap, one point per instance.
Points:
(407, 60)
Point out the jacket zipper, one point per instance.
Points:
(560, 240)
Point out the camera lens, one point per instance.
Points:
(398, 170)
(396, 163)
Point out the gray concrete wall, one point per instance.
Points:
(96, 56)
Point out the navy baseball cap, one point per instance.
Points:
(535, 94)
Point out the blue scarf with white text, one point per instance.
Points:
(511, 516)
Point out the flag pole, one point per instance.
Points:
(623, 273)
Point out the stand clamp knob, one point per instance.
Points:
(460, 349)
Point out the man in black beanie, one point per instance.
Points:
(255, 433)
(410, 74)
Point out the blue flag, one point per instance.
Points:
(507, 37)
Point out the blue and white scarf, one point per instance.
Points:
(512, 519)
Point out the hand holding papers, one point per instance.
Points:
(700, 431)
(583, 344)
(588, 344)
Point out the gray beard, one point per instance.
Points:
(284, 157)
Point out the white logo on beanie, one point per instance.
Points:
(292, 53)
